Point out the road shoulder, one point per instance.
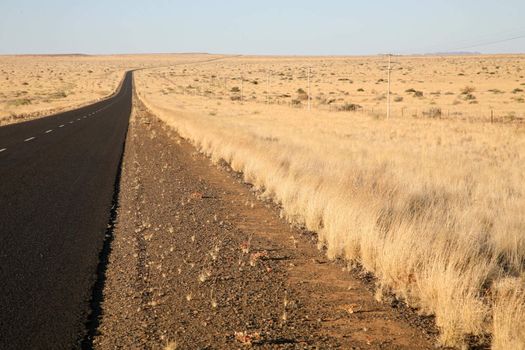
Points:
(199, 262)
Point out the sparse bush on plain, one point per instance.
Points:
(349, 107)
(468, 90)
(433, 112)
(20, 102)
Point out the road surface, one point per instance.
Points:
(57, 180)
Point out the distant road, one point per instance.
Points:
(57, 177)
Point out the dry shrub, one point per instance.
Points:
(509, 315)
(438, 223)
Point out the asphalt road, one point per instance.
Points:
(57, 179)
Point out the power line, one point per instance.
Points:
(489, 43)
(485, 40)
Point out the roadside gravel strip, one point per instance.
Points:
(197, 262)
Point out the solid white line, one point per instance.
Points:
(3, 149)
(48, 131)
(29, 139)
(61, 126)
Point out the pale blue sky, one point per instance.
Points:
(261, 27)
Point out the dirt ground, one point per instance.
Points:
(198, 263)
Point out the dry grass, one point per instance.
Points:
(37, 85)
(509, 315)
(460, 87)
(434, 208)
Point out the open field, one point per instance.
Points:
(431, 203)
(32, 86)
(463, 87)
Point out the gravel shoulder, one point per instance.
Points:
(197, 262)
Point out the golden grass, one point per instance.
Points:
(37, 85)
(509, 315)
(466, 88)
(435, 209)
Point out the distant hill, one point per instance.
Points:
(453, 53)
(54, 55)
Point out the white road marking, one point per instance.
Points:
(71, 122)
(29, 139)
(78, 118)
(61, 126)
(3, 149)
(48, 131)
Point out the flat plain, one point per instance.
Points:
(36, 85)
(430, 202)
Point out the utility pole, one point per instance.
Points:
(268, 87)
(242, 88)
(309, 103)
(388, 92)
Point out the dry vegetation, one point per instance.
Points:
(454, 87)
(433, 204)
(32, 86)
(432, 201)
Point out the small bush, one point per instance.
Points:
(349, 107)
(468, 90)
(20, 102)
(433, 112)
(398, 99)
(59, 94)
(235, 89)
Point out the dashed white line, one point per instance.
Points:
(71, 122)
(29, 139)
(78, 118)
(48, 131)
(3, 149)
(61, 126)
